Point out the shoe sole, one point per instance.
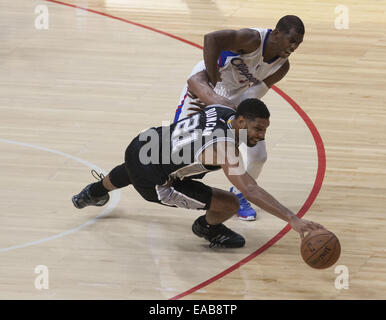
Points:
(249, 218)
(239, 244)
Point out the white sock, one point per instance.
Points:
(235, 190)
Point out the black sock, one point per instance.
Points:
(202, 221)
(97, 189)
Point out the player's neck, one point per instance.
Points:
(270, 49)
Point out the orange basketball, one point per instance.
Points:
(320, 249)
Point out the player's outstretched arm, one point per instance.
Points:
(236, 174)
(238, 41)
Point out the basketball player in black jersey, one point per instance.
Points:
(164, 165)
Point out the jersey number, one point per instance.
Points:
(184, 132)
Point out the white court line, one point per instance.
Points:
(114, 199)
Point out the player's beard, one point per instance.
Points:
(251, 144)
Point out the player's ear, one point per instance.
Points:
(276, 34)
(241, 122)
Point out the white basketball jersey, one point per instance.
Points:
(241, 71)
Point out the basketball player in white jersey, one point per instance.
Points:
(238, 65)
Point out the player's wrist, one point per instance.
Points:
(292, 218)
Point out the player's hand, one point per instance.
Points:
(194, 111)
(197, 102)
(302, 226)
(191, 95)
(200, 105)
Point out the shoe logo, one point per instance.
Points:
(183, 203)
(217, 241)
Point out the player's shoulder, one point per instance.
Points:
(250, 38)
(250, 32)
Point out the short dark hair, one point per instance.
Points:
(252, 109)
(286, 23)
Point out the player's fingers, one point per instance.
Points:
(317, 226)
(309, 227)
(191, 114)
(191, 95)
(194, 109)
(198, 104)
(313, 225)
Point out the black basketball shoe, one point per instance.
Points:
(218, 235)
(84, 198)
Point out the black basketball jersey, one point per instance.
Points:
(173, 151)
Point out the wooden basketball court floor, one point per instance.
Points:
(74, 95)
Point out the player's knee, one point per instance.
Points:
(119, 176)
(224, 201)
(234, 203)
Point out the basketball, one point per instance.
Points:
(320, 249)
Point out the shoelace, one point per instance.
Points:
(244, 203)
(96, 175)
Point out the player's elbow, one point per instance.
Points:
(193, 81)
(210, 41)
(194, 85)
(198, 84)
(208, 38)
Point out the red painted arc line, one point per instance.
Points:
(127, 21)
(315, 134)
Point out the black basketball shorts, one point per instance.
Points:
(186, 193)
(147, 180)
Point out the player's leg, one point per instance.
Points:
(184, 101)
(224, 205)
(220, 206)
(191, 194)
(254, 159)
(97, 194)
